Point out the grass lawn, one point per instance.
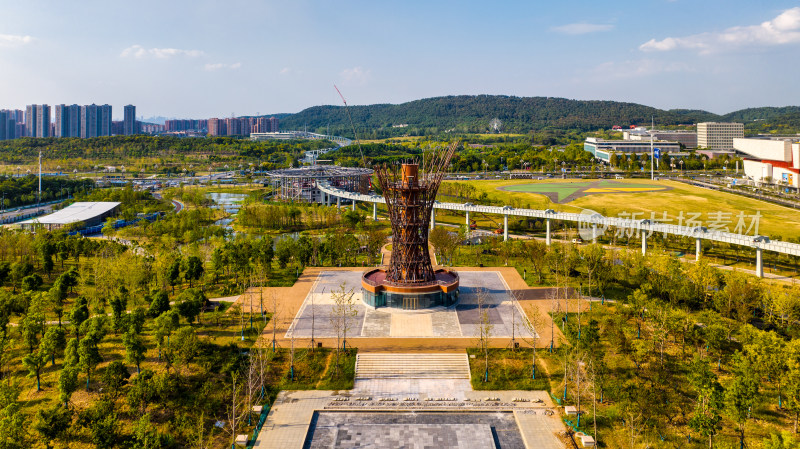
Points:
(312, 370)
(508, 370)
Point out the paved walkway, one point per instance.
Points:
(332, 418)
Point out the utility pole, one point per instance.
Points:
(39, 200)
(652, 151)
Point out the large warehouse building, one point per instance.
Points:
(602, 149)
(88, 213)
(771, 160)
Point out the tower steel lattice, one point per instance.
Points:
(410, 191)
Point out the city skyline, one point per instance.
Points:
(210, 59)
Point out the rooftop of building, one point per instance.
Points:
(319, 171)
(75, 212)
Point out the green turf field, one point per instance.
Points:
(563, 190)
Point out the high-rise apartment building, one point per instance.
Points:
(88, 121)
(95, 120)
(217, 127)
(718, 136)
(68, 121)
(43, 121)
(7, 123)
(129, 121)
(37, 120)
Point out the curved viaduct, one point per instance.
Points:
(594, 223)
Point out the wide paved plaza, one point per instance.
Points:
(460, 321)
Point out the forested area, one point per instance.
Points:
(658, 353)
(21, 191)
(473, 114)
(159, 154)
(109, 345)
(516, 153)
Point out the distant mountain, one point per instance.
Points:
(466, 113)
(764, 113)
(475, 113)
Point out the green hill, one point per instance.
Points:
(474, 114)
(466, 113)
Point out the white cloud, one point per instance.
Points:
(355, 75)
(139, 52)
(285, 71)
(582, 28)
(783, 29)
(13, 40)
(219, 66)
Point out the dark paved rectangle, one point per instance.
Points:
(390, 430)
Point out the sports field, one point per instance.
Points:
(564, 192)
(682, 203)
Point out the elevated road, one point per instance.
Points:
(595, 224)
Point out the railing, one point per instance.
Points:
(643, 225)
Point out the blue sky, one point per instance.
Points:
(205, 58)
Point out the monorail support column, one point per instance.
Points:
(698, 248)
(759, 263)
(548, 238)
(433, 218)
(644, 242)
(469, 227)
(338, 202)
(375, 211)
(354, 205)
(505, 227)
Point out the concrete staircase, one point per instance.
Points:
(384, 365)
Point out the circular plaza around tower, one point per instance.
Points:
(378, 291)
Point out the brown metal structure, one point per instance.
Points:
(410, 191)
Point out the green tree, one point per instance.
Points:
(741, 394)
(58, 295)
(194, 269)
(32, 327)
(190, 304)
(34, 362)
(185, 345)
(89, 355)
(119, 307)
(31, 282)
(19, 270)
(67, 383)
(142, 391)
(54, 340)
(707, 418)
(102, 422)
(52, 422)
(792, 380)
(165, 324)
(13, 423)
(115, 377)
(173, 273)
(159, 304)
(134, 347)
(78, 314)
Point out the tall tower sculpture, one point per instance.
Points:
(410, 281)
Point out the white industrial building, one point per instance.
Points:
(88, 213)
(602, 149)
(771, 160)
